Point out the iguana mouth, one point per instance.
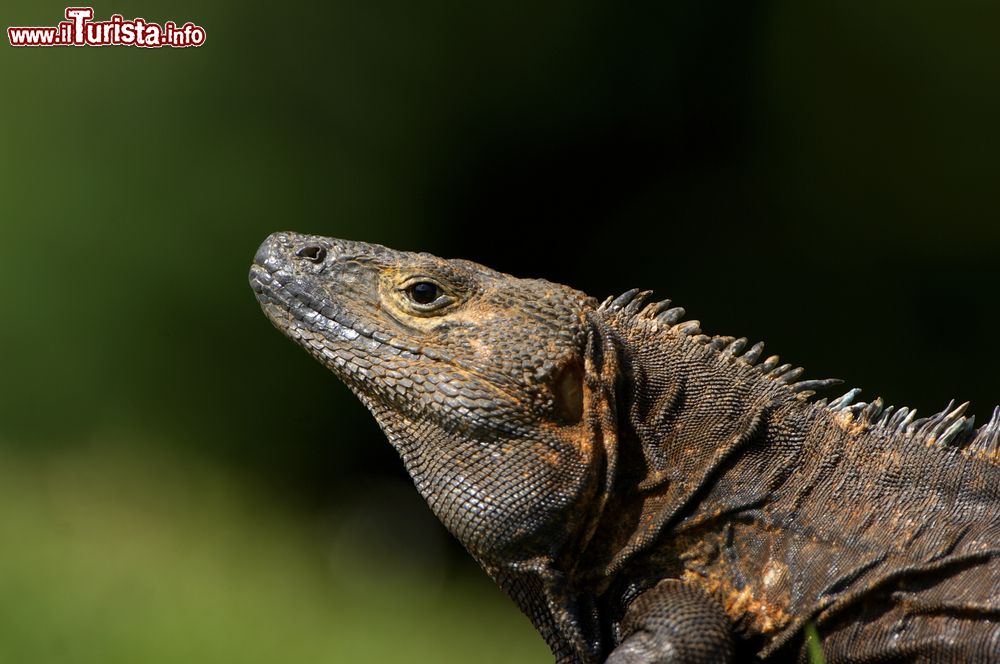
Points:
(300, 306)
(292, 301)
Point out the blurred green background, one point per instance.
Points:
(178, 483)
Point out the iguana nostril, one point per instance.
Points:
(312, 252)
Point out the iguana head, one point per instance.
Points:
(479, 379)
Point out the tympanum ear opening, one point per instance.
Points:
(568, 391)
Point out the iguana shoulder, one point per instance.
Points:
(826, 511)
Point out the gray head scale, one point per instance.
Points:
(478, 379)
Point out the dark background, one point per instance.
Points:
(180, 483)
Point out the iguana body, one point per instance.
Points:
(646, 493)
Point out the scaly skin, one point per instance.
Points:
(646, 493)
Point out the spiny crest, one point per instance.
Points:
(634, 303)
(986, 442)
(950, 427)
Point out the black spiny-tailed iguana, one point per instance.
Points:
(642, 491)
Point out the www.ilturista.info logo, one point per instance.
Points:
(80, 30)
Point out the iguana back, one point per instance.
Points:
(645, 492)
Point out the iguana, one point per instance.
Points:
(645, 492)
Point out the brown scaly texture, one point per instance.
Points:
(644, 492)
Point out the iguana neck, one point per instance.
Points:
(686, 414)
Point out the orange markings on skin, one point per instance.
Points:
(741, 604)
(848, 423)
(760, 610)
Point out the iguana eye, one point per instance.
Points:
(425, 296)
(423, 292)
